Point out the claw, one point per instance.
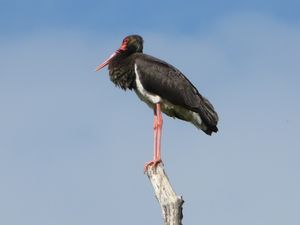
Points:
(153, 162)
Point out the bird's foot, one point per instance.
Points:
(153, 162)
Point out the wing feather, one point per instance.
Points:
(161, 78)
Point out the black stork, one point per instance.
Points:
(163, 87)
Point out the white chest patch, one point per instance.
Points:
(142, 93)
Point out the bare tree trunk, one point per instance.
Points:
(170, 203)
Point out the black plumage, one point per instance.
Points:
(164, 80)
(179, 97)
(163, 87)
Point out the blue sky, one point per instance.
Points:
(72, 146)
(178, 17)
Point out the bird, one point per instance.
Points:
(162, 87)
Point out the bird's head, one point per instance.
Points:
(130, 44)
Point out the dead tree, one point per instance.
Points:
(170, 203)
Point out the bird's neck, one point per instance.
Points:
(121, 71)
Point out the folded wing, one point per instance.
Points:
(161, 78)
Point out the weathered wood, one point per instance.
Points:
(170, 203)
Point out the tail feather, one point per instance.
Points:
(208, 115)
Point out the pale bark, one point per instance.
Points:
(170, 203)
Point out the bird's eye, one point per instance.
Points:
(125, 41)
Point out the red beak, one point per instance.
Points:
(106, 62)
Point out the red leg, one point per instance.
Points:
(155, 135)
(159, 132)
(157, 138)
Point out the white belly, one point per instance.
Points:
(142, 93)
